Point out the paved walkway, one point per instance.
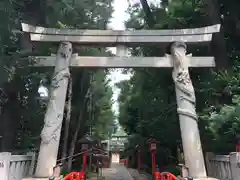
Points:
(116, 172)
(139, 176)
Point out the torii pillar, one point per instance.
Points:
(51, 131)
(186, 103)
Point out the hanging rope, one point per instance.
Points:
(78, 154)
(74, 155)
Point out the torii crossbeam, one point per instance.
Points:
(127, 38)
(122, 39)
(122, 62)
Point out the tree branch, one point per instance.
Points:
(149, 18)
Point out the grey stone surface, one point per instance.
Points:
(50, 135)
(123, 62)
(186, 102)
(117, 172)
(87, 32)
(111, 38)
(109, 41)
(139, 176)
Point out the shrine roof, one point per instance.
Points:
(87, 139)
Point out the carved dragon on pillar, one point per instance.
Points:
(64, 52)
(182, 78)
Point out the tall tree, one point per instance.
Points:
(147, 104)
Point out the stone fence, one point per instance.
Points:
(223, 167)
(16, 167)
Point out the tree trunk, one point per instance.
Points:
(149, 18)
(76, 132)
(32, 14)
(85, 88)
(67, 122)
(35, 14)
(7, 130)
(218, 45)
(9, 121)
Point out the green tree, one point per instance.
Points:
(19, 85)
(147, 100)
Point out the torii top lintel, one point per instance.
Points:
(128, 38)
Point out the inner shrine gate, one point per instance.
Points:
(178, 60)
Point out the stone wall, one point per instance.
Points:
(223, 167)
(16, 167)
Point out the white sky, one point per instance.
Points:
(117, 23)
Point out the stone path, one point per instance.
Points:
(116, 172)
(139, 176)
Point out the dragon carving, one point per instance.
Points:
(52, 126)
(182, 79)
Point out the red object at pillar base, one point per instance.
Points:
(75, 176)
(157, 176)
(167, 176)
(164, 176)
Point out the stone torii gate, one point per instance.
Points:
(178, 59)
